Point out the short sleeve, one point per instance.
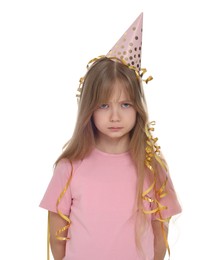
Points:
(61, 175)
(170, 200)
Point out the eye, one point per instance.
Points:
(126, 105)
(103, 106)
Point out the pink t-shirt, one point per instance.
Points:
(100, 203)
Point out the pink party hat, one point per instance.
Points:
(128, 47)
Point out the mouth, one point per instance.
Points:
(115, 128)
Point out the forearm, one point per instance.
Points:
(57, 246)
(58, 249)
(159, 241)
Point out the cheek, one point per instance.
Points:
(96, 119)
(132, 118)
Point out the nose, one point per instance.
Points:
(114, 114)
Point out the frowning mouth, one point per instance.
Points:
(115, 128)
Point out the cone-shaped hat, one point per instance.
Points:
(129, 46)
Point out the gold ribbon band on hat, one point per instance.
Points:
(139, 73)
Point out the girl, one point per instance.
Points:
(110, 197)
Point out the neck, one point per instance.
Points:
(113, 145)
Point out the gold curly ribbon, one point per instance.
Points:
(153, 151)
(61, 230)
(139, 73)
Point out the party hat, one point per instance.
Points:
(128, 47)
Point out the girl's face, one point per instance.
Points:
(116, 118)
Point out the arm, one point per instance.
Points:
(57, 246)
(159, 243)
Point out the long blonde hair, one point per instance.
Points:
(97, 88)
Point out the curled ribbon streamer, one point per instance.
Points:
(58, 232)
(164, 232)
(153, 151)
(139, 73)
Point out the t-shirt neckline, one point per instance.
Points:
(98, 151)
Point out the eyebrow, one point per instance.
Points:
(126, 101)
(118, 101)
(123, 101)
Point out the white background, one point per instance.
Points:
(44, 48)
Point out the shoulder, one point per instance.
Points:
(62, 165)
(66, 166)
